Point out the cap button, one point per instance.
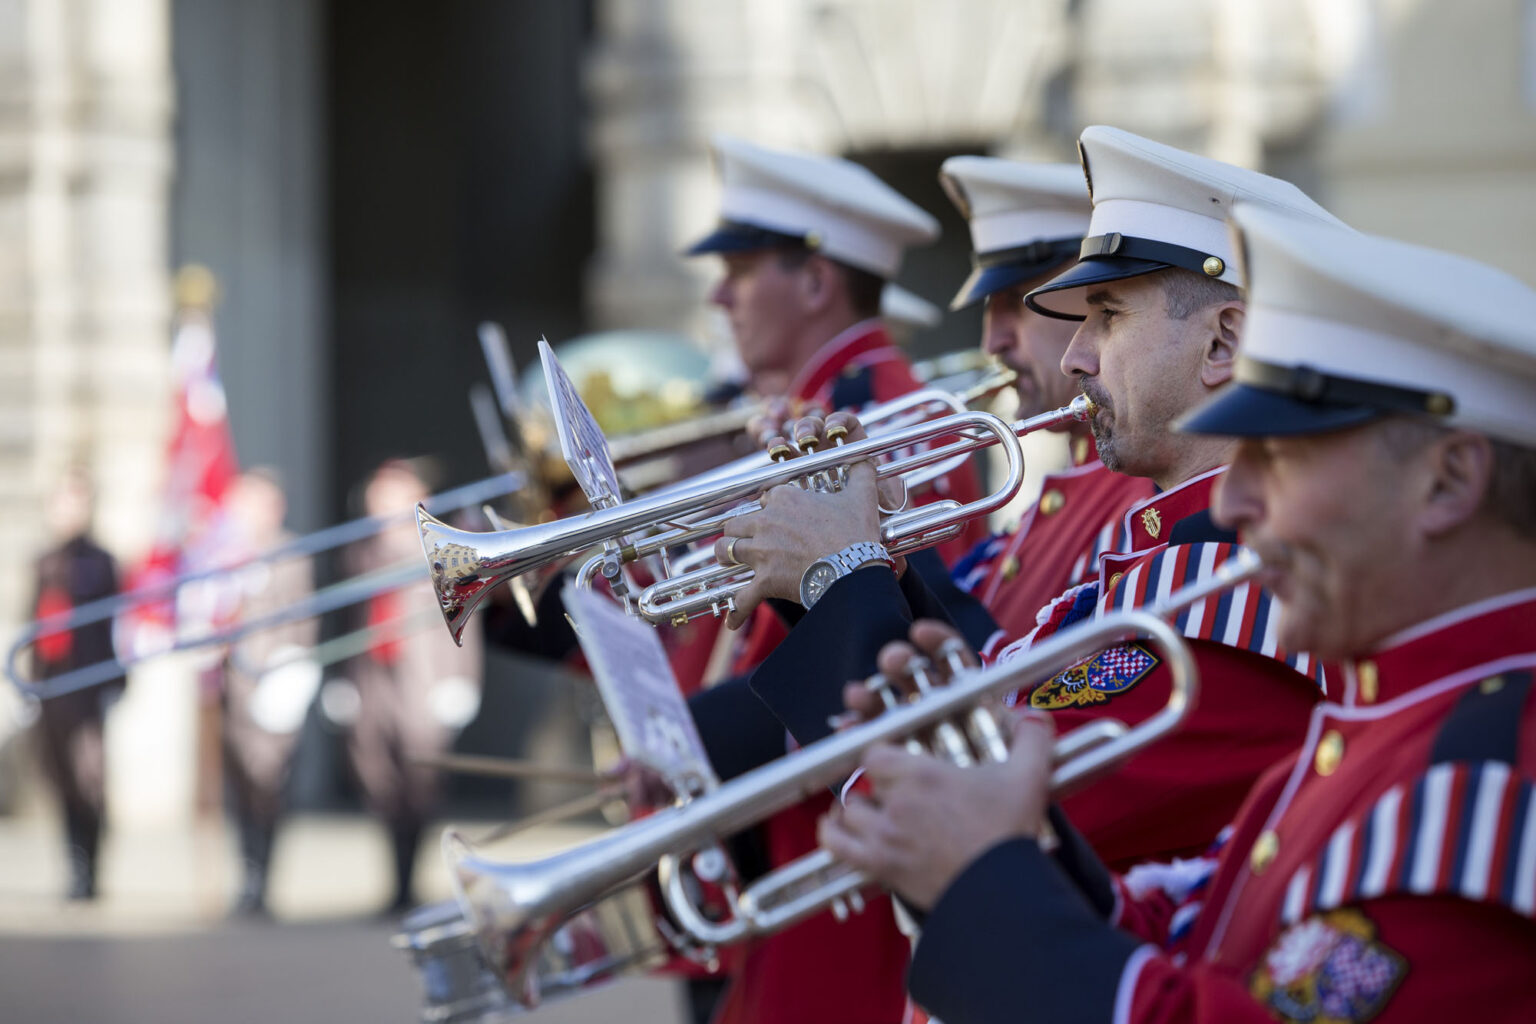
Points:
(1330, 751)
(1439, 404)
(813, 239)
(1265, 849)
(1213, 266)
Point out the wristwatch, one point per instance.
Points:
(823, 572)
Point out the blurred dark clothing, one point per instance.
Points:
(70, 727)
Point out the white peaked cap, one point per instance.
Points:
(1025, 219)
(1344, 327)
(1156, 207)
(831, 205)
(901, 307)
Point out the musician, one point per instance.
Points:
(1386, 402)
(807, 245)
(1163, 317)
(1027, 223)
(415, 688)
(74, 572)
(268, 681)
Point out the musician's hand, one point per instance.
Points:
(793, 529)
(815, 433)
(772, 422)
(644, 788)
(928, 819)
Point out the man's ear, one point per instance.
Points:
(819, 282)
(1225, 331)
(1459, 472)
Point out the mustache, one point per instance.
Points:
(1091, 387)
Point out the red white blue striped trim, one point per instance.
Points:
(1245, 616)
(1464, 829)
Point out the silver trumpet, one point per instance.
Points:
(465, 566)
(514, 909)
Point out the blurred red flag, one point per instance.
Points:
(200, 466)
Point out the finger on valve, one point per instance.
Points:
(844, 427)
(744, 602)
(809, 433)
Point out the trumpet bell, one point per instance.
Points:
(454, 564)
(551, 952)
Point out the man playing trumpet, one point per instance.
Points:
(1387, 869)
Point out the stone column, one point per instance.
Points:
(85, 161)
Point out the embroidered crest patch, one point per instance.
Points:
(1096, 680)
(1328, 969)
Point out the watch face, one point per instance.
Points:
(818, 578)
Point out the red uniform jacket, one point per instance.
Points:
(821, 970)
(1172, 800)
(1385, 872)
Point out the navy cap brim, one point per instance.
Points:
(1242, 410)
(1065, 292)
(988, 281)
(733, 236)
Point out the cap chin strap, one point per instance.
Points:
(1313, 385)
(1045, 252)
(1116, 244)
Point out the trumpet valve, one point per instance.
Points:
(807, 444)
(781, 452)
(837, 433)
(953, 653)
(988, 735)
(881, 685)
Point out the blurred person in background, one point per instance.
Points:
(74, 572)
(414, 688)
(268, 681)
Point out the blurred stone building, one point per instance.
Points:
(371, 179)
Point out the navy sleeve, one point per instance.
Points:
(834, 644)
(739, 733)
(931, 593)
(1082, 865)
(994, 947)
